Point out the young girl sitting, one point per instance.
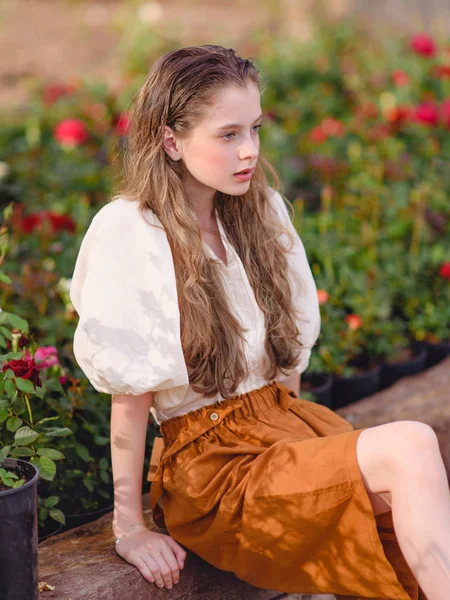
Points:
(197, 303)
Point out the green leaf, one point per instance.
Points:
(24, 385)
(4, 452)
(9, 374)
(13, 423)
(103, 463)
(6, 332)
(57, 432)
(51, 501)
(88, 483)
(10, 388)
(58, 515)
(50, 453)
(104, 476)
(43, 512)
(5, 278)
(21, 451)
(101, 440)
(45, 420)
(82, 452)
(47, 469)
(25, 435)
(4, 414)
(17, 322)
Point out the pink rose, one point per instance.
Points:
(423, 44)
(427, 113)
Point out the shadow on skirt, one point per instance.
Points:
(267, 485)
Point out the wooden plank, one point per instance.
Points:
(82, 565)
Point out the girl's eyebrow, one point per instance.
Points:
(236, 125)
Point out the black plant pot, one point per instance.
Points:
(347, 390)
(320, 386)
(75, 520)
(436, 352)
(19, 534)
(392, 372)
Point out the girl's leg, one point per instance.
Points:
(402, 461)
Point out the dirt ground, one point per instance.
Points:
(60, 39)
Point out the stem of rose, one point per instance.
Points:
(29, 409)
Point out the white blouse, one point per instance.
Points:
(123, 288)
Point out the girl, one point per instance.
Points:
(196, 301)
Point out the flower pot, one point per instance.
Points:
(320, 385)
(392, 371)
(75, 520)
(347, 390)
(19, 534)
(436, 351)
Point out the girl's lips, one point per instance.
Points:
(245, 171)
(244, 176)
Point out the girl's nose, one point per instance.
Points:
(249, 150)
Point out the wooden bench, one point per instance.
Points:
(82, 564)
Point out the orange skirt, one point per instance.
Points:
(268, 486)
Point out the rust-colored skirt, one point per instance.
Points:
(268, 486)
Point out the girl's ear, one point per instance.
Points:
(170, 144)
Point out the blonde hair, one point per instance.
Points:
(178, 87)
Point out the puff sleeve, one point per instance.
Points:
(305, 297)
(123, 288)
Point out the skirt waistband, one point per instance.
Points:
(209, 416)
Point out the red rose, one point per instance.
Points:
(400, 78)
(399, 114)
(332, 127)
(317, 135)
(441, 71)
(427, 113)
(122, 124)
(57, 222)
(26, 369)
(61, 222)
(55, 91)
(423, 44)
(353, 321)
(322, 296)
(71, 132)
(328, 127)
(444, 271)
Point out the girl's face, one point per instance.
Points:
(223, 143)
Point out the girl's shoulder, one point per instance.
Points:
(124, 212)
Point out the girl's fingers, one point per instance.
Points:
(180, 554)
(143, 568)
(165, 570)
(154, 569)
(167, 553)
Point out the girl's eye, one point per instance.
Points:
(257, 127)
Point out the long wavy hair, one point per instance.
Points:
(178, 87)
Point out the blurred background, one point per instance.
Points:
(356, 106)
(74, 38)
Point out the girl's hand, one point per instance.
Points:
(158, 557)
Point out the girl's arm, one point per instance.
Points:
(293, 383)
(129, 419)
